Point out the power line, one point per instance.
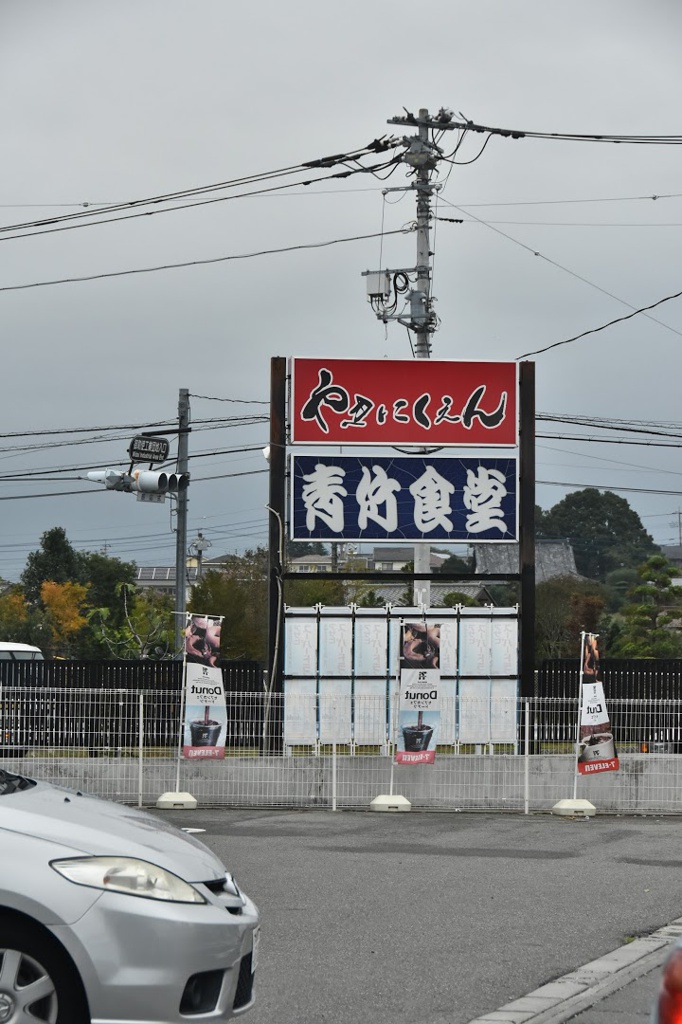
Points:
(575, 224)
(566, 202)
(349, 191)
(36, 230)
(446, 122)
(218, 421)
(49, 474)
(245, 401)
(559, 266)
(377, 146)
(200, 263)
(595, 330)
(603, 487)
(66, 494)
(608, 440)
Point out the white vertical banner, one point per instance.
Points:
(596, 746)
(370, 720)
(336, 711)
(300, 646)
(474, 711)
(503, 707)
(505, 647)
(475, 645)
(335, 646)
(371, 647)
(300, 712)
(419, 693)
(205, 718)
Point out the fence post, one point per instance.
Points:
(333, 776)
(140, 751)
(526, 760)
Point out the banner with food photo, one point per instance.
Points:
(205, 717)
(418, 696)
(596, 746)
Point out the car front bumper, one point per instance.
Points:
(137, 956)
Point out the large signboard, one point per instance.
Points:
(368, 691)
(408, 498)
(403, 402)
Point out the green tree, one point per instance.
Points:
(144, 628)
(104, 577)
(308, 592)
(648, 625)
(370, 599)
(63, 604)
(240, 594)
(300, 548)
(605, 533)
(454, 564)
(564, 607)
(618, 583)
(503, 595)
(452, 599)
(56, 561)
(23, 624)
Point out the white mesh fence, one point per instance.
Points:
(336, 751)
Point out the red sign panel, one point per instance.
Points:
(403, 402)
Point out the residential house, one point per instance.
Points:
(161, 579)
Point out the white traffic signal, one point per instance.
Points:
(112, 479)
(150, 482)
(143, 481)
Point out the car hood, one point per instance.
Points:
(88, 825)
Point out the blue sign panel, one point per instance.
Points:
(414, 498)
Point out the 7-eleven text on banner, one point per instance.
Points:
(205, 713)
(596, 748)
(419, 704)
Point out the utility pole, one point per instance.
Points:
(181, 509)
(423, 155)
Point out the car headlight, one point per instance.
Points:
(128, 875)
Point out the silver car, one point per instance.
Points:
(111, 916)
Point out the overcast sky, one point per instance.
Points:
(106, 102)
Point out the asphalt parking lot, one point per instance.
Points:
(436, 917)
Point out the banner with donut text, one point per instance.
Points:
(205, 713)
(419, 710)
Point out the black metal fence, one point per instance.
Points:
(241, 676)
(94, 705)
(623, 678)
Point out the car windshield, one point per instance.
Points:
(10, 783)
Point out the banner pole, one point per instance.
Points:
(334, 776)
(573, 808)
(140, 750)
(182, 722)
(526, 766)
(577, 725)
(391, 801)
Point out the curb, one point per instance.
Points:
(569, 995)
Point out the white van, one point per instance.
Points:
(19, 652)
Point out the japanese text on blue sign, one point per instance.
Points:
(410, 498)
